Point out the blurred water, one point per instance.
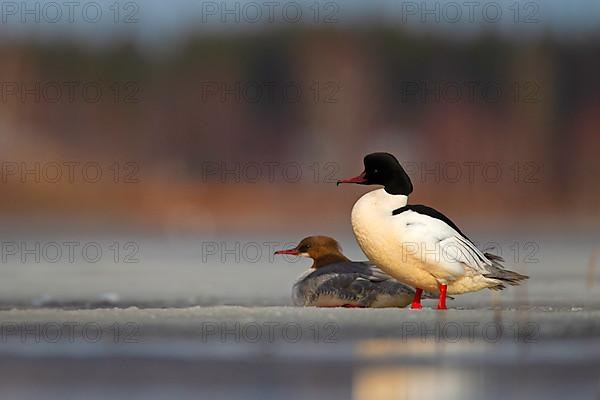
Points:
(361, 370)
(186, 269)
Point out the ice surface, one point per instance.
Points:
(171, 326)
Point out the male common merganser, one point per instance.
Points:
(335, 281)
(416, 244)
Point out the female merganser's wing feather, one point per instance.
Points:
(370, 271)
(362, 284)
(355, 282)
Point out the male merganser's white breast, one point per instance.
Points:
(412, 247)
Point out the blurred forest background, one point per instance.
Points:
(165, 118)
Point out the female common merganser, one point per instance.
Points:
(335, 281)
(416, 244)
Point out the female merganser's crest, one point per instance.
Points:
(335, 281)
(416, 244)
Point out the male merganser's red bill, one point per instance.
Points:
(335, 281)
(360, 179)
(417, 244)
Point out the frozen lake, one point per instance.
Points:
(197, 317)
(273, 352)
(181, 270)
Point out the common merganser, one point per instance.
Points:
(417, 244)
(335, 281)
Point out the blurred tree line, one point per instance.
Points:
(309, 95)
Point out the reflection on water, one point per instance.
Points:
(407, 383)
(369, 370)
(417, 370)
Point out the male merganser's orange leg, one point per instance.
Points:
(442, 302)
(416, 303)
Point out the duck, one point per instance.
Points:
(416, 244)
(333, 280)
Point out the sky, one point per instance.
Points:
(154, 21)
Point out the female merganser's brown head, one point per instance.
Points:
(322, 249)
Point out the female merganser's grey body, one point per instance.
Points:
(416, 244)
(335, 281)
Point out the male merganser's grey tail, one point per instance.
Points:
(498, 272)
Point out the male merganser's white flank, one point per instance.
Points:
(416, 244)
(335, 281)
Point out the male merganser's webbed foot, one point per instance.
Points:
(442, 301)
(416, 303)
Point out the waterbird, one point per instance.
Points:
(335, 281)
(416, 244)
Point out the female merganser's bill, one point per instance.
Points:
(335, 281)
(416, 244)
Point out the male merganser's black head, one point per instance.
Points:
(383, 169)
